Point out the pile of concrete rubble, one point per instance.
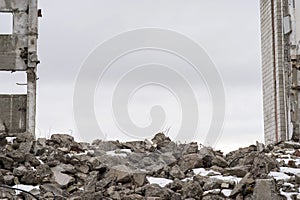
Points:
(60, 168)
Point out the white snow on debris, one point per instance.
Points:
(286, 160)
(204, 172)
(214, 191)
(162, 182)
(226, 192)
(40, 160)
(27, 188)
(125, 150)
(227, 178)
(10, 139)
(279, 176)
(287, 194)
(82, 153)
(290, 170)
(119, 152)
(217, 175)
(289, 151)
(187, 179)
(288, 184)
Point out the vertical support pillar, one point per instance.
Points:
(295, 73)
(31, 100)
(32, 66)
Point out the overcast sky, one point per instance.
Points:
(227, 30)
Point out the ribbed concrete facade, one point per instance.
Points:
(278, 96)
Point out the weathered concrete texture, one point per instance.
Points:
(18, 52)
(13, 48)
(274, 71)
(266, 189)
(13, 113)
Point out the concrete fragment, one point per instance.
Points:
(62, 179)
(266, 189)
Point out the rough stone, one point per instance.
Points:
(239, 171)
(62, 179)
(297, 178)
(247, 180)
(192, 189)
(154, 190)
(219, 161)
(124, 174)
(176, 172)
(6, 163)
(266, 189)
(190, 161)
(161, 140)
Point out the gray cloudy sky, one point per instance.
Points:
(227, 30)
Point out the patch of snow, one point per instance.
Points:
(279, 176)
(113, 153)
(10, 139)
(286, 160)
(227, 178)
(288, 184)
(226, 192)
(214, 191)
(27, 188)
(290, 170)
(40, 160)
(81, 153)
(297, 161)
(289, 151)
(125, 150)
(204, 172)
(162, 182)
(187, 179)
(287, 194)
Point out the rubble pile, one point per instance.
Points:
(61, 168)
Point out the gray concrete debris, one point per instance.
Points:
(61, 168)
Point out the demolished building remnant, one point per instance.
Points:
(18, 52)
(280, 37)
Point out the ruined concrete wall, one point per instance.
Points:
(274, 80)
(13, 48)
(18, 52)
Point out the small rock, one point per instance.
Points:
(6, 163)
(62, 179)
(297, 153)
(53, 189)
(292, 163)
(192, 189)
(124, 174)
(32, 160)
(211, 184)
(133, 197)
(176, 172)
(247, 180)
(154, 190)
(225, 186)
(8, 179)
(19, 171)
(219, 161)
(239, 171)
(30, 178)
(297, 178)
(190, 161)
(161, 140)
(83, 168)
